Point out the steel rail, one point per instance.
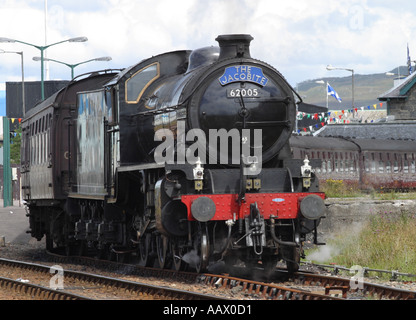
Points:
(368, 288)
(265, 290)
(33, 290)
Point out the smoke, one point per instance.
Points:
(343, 235)
(191, 258)
(222, 17)
(324, 253)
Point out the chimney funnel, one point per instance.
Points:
(234, 46)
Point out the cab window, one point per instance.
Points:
(138, 82)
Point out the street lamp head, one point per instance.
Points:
(7, 40)
(103, 59)
(330, 67)
(40, 59)
(78, 39)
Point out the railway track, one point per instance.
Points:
(241, 285)
(35, 292)
(102, 287)
(313, 287)
(263, 290)
(348, 285)
(305, 286)
(66, 282)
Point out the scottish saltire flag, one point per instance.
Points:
(333, 93)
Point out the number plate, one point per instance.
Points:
(245, 93)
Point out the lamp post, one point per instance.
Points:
(42, 50)
(398, 78)
(326, 90)
(23, 79)
(329, 68)
(73, 66)
(7, 178)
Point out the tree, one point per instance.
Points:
(15, 141)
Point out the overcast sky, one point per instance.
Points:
(299, 37)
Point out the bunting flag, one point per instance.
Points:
(335, 116)
(14, 119)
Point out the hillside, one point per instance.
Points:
(367, 89)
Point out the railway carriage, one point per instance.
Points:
(365, 163)
(48, 145)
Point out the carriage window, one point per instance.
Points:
(388, 167)
(396, 167)
(352, 166)
(136, 85)
(406, 167)
(367, 166)
(323, 168)
(336, 165)
(381, 167)
(373, 167)
(110, 97)
(329, 167)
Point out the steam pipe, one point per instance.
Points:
(272, 231)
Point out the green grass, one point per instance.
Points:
(387, 241)
(342, 189)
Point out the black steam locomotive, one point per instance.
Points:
(180, 160)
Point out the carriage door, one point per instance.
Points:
(25, 160)
(112, 140)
